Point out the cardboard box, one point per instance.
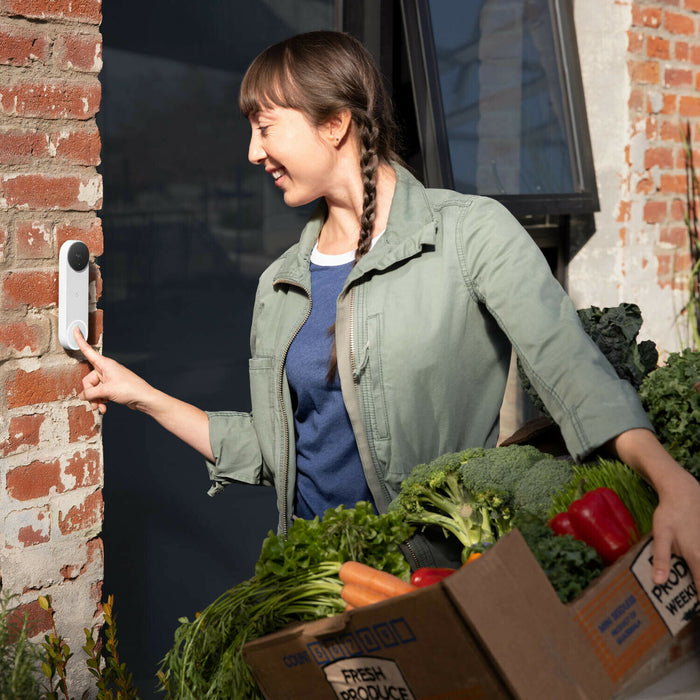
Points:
(495, 629)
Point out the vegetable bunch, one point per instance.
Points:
(295, 580)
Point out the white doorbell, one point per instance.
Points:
(73, 292)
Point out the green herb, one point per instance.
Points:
(673, 407)
(295, 580)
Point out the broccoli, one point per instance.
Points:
(433, 495)
(539, 483)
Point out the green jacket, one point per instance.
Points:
(424, 329)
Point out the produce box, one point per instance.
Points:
(495, 629)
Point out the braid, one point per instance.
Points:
(369, 160)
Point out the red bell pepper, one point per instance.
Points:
(601, 520)
(427, 576)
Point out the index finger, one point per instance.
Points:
(93, 357)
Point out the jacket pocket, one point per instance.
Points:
(375, 377)
(263, 398)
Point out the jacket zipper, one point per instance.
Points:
(280, 397)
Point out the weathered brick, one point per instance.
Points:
(678, 210)
(33, 240)
(76, 147)
(681, 51)
(95, 326)
(81, 423)
(45, 384)
(689, 106)
(52, 101)
(646, 72)
(3, 243)
(643, 16)
(673, 184)
(89, 232)
(81, 52)
(39, 191)
(83, 516)
(658, 47)
(678, 23)
(89, 11)
(38, 619)
(85, 468)
(19, 147)
(35, 288)
(96, 279)
(23, 48)
(692, 5)
(28, 527)
(675, 235)
(678, 77)
(636, 99)
(670, 131)
(26, 338)
(661, 157)
(695, 54)
(24, 431)
(654, 212)
(635, 41)
(35, 480)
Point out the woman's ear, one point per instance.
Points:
(337, 127)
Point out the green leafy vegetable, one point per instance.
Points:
(570, 565)
(614, 330)
(295, 580)
(673, 406)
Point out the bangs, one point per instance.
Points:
(268, 83)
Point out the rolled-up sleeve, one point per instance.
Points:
(237, 455)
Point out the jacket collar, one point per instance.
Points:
(411, 225)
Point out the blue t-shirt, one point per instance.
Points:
(329, 469)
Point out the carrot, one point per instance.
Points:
(357, 596)
(362, 575)
(471, 557)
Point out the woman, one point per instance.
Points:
(425, 292)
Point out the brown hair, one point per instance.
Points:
(320, 74)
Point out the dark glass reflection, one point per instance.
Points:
(189, 224)
(502, 96)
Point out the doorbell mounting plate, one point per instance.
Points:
(73, 292)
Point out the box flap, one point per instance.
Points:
(513, 610)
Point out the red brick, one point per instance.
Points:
(646, 72)
(86, 468)
(3, 243)
(95, 326)
(81, 52)
(33, 240)
(21, 48)
(645, 186)
(96, 278)
(89, 11)
(692, 5)
(35, 288)
(26, 338)
(695, 54)
(670, 104)
(670, 131)
(38, 620)
(651, 128)
(34, 480)
(36, 191)
(23, 431)
(654, 212)
(76, 147)
(52, 101)
(677, 23)
(28, 527)
(85, 515)
(689, 106)
(673, 184)
(45, 385)
(681, 51)
(18, 147)
(636, 100)
(676, 236)
(697, 81)
(678, 77)
(635, 41)
(661, 156)
(658, 47)
(678, 209)
(646, 16)
(89, 233)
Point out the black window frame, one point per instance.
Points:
(370, 21)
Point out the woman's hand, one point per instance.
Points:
(110, 381)
(676, 526)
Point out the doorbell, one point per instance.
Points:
(73, 292)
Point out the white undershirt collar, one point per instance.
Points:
(318, 258)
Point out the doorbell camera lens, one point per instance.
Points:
(78, 256)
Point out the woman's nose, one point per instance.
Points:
(256, 153)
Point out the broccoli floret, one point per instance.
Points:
(539, 483)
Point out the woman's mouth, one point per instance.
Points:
(277, 174)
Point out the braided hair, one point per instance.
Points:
(320, 74)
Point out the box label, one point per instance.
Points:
(676, 600)
(367, 678)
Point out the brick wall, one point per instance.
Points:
(50, 446)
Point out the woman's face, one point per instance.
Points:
(296, 154)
